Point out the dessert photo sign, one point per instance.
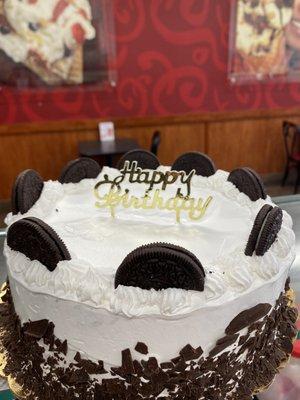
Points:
(265, 40)
(55, 42)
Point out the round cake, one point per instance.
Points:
(146, 282)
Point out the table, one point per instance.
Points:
(107, 149)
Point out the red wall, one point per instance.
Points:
(172, 58)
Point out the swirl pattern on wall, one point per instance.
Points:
(172, 58)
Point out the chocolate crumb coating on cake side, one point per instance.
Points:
(240, 364)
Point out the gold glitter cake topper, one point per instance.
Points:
(152, 199)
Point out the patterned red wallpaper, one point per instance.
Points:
(172, 58)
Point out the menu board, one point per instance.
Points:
(265, 40)
(55, 42)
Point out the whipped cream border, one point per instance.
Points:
(227, 277)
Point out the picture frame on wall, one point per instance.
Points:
(56, 43)
(264, 40)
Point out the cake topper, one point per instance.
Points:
(152, 178)
(152, 199)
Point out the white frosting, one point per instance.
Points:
(98, 243)
(100, 334)
(52, 35)
(100, 321)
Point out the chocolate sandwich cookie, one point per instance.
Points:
(26, 191)
(269, 231)
(183, 251)
(82, 168)
(200, 162)
(38, 241)
(248, 181)
(161, 266)
(266, 226)
(259, 220)
(145, 159)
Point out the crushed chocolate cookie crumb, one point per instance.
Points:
(223, 343)
(141, 348)
(189, 376)
(36, 329)
(127, 363)
(189, 353)
(247, 317)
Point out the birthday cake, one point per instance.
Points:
(146, 282)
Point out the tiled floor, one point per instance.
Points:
(272, 183)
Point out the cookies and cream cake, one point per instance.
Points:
(146, 282)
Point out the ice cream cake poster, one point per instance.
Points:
(55, 42)
(265, 39)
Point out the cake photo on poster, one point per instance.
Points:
(52, 42)
(265, 40)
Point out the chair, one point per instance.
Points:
(291, 135)
(155, 142)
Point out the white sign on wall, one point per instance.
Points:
(106, 131)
